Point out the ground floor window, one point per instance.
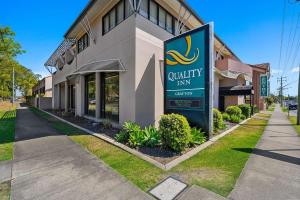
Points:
(90, 95)
(110, 96)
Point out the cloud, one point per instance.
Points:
(295, 69)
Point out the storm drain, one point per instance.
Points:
(168, 189)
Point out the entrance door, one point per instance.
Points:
(110, 99)
(222, 103)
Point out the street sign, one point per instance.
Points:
(188, 77)
(264, 85)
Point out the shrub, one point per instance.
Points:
(175, 132)
(233, 110)
(218, 119)
(255, 109)
(226, 117)
(197, 137)
(235, 119)
(152, 136)
(243, 117)
(136, 139)
(246, 110)
(122, 137)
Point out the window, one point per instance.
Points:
(153, 12)
(90, 95)
(128, 8)
(83, 43)
(116, 15)
(120, 12)
(144, 8)
(158, 15)
(112, 18)
(169, 23)
(162, 17)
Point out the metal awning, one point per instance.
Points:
(236, 90)
(112, 65)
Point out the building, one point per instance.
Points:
(109, 65)
(43, 87)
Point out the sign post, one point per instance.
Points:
(264, 85)
(188, 76)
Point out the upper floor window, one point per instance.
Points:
(83, 43)
(117, 14)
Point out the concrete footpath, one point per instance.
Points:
(273, 170)
(48, 165)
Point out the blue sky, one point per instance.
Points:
(252, 29)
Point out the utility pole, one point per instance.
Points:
(298, 110)
(13, 89)
(281, 80)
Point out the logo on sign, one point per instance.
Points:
(178, 58)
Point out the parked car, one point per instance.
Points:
(293, 106)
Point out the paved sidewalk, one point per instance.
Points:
(48, 165)
(273, 170)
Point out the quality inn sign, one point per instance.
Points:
(188, 76)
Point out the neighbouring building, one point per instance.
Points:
(42, 93)
(110, 63)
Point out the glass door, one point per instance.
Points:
(110, 84)
(90, 95)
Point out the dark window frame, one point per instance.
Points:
(85, 40)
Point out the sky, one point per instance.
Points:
(252, 29)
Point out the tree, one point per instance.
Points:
(269, 101)
(25, 79)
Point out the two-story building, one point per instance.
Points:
(110, 64)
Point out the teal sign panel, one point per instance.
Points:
(264, 86)
(187, 76)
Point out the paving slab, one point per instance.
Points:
(273, 170)
(48, 165)
(5, 171)
(195, 192)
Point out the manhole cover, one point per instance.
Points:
(168, 189)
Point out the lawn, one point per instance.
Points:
(264, 115)
(215, 168)
(7, 134)
(5, 190)
(293, 120)
(284, 109)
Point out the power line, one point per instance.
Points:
(282, 33)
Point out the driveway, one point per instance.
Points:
(273, 170)
(48, 165)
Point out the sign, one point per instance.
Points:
(188, 76)
(264, 86)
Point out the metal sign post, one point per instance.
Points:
(188, 76)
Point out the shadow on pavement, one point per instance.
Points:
(269, 154)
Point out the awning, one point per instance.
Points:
(113, 65)
(235, 75)
(236, 90)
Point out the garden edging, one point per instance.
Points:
(165, 167)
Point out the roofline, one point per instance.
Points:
(92, 2)
(81, 15)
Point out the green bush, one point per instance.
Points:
(246, 110)
(136, 139)
(233, 110)
(255, 109)
(218, 120)
(197, 137)
(152, 136)
(235, 119)
(122, 137)
(226, 117)
(243, 117)
(175, 132)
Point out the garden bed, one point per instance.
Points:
(157, 153)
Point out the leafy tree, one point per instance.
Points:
(25, 79)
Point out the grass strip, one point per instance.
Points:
(7, 134)
(5, 190)
(293, 120)
(216, 168)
